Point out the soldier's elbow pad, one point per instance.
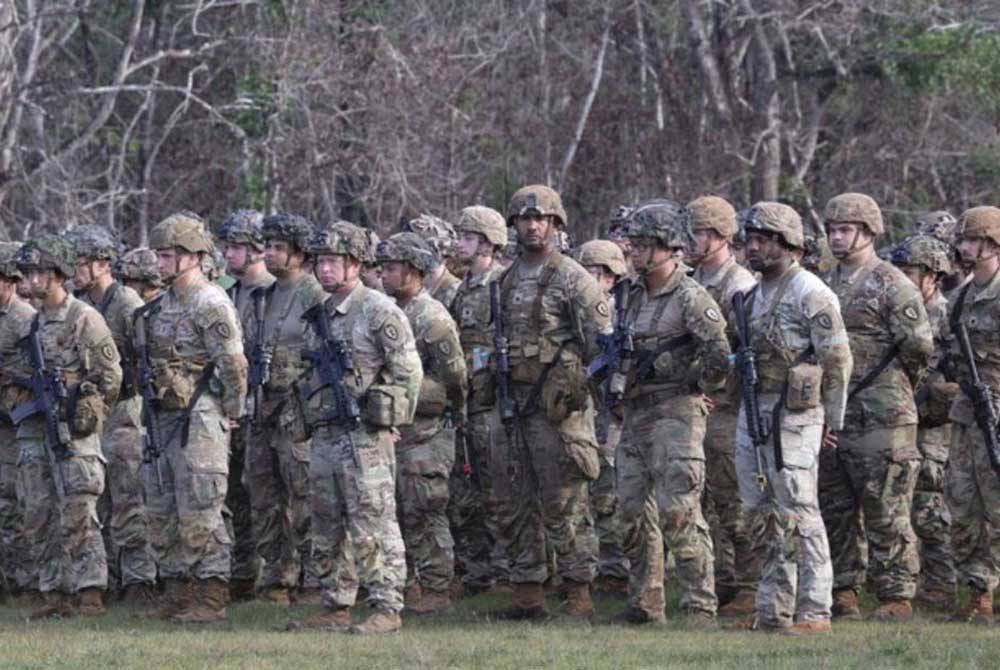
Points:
(387, 406)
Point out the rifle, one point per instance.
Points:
(980, 395)
(509, 413)
(260, 360)
(615, 361)
(152, 446)
(746, 365)
(333, 362)
(48, 390)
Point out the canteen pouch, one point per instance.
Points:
(804, 385)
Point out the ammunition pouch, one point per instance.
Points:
(804, 387)
(433, 399)
(580, 446)
(386, 406)
(292, 418)
(88, 413)
(175, 383)
(564, 388)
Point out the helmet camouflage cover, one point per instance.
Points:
(49, 252)
(983, 222)
(712, 213)
(602, 252)
(925, 251)
(774, 218)
(438, 232)
(94, 242)
(408, 248)
(483, 220)
(138, 265)
(855, 208)
(340, 238)
(537, 199)
(243, 227)
(8, 264)
(184, 230)
(662, 220)
(288, 228)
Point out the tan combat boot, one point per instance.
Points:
(611, 586)
(91, 602)
(379, 622)
(29, 599)
(55, 605)
(276, 595)
(579, 604)
(176, 597)
(208, 604)
(431, 602)
(978, 610)
(845, 605)
(241, 590)
(412, 592)
(936, 598)
(139, 595)
(303, 597)
(741, 605)
(527, 604)
(334, 620)
(893, 610)
(804, 628)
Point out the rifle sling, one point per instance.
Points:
(887, 358)
(648, 358)
(531, 403)
(199, 389)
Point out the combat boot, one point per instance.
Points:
(804, 628)
(431, 602)
(634, 616)
(893, 610)
(978, 610)
(527, 604)
(303, 597)
(936, 598)
(612, 587)
(379, 622)
(176, 597)
(845, 605)
(29, 599)
(698, 620)
(55, 605)
(412, 592)
(91, 602)
(139, 595)
(241, 590)
(276, 595)
(741, 605)
(579, 605)
(336, 620)
(208, 604)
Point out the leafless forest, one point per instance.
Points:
(119, 112)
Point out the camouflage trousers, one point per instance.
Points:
(62, 529)
(244, 563)
(355, 533)
(738, 553)
(18, 569)
(932, 518)
(122, 507)
(661, 467)
(422, 472)
(797, 574)
(540, 486)
(865, 494)
(277, 479)
(188, 531)
(973, 492)
(608, 530)
(480, 559)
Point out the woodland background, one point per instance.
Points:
(121, 112)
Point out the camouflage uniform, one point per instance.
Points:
(682, 353)
(138, 268)
(737, 558)
(793, 321)
(18, 568)
(196, 351)
(122, 507)
(441, 235)
(62, 526)
(866, 484)
(480, 559)
(277, 467)
(355, 532)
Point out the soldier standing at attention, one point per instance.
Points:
(60, 468)
(361, 388)
(196, 352)
(139, 270)
(425, 452)
(866, 484)
(441, 283)
(737, 555)
(552, 311)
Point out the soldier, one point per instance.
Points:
(926, 260)
(605, 261)
(139, 270)
(16, 565)
(196, 351)
(973, 486)
(682, 354)
(512, 250)
(482, 236)
(799, 339)
(442, 284)
(354, 419)
(277, 474)
(552, 310)
(243, 247)
(738, 557)
(122, 507)
(866, 484)
(60, 473)
(425, 452)
(371, 272)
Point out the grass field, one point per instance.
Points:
(462, 639)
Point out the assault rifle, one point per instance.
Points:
(614, 363)
(501, 353)
(981, 396)
(48, 390)
(746, 365)
(152, 445)
(260, 360)
(333, 363)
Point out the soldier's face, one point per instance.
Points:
(40, 281)
(605, 279)
(535, 232)
(88, 269)
(763, 251)
(975, 249)
(7, 289)
(846, 238)
(469, 245)
(335, 272)
(703, 243)
(281, 256)
(393, 277)
(237, 257)
(647, 254)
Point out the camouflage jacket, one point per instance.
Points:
(978, 307)
(15, 322)
(444, 386)
(445, 289)
(471, 310)
(882, 309)
(934, 440)
(797, 319)
(117, 306)
(241, 293)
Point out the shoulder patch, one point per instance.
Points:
(391, 331)
(108, 352)
(602, 309)
(445, 347)
(824, 321)
(911, 313)
(223, 330)
(712, 314)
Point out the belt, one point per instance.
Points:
(654, 398)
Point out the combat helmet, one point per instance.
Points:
(138, 265)
(602, 252)
(340, 238)
(48, 252)
(438, 232)
(712, 213)
(662, 220)
(184, 230)
(287, 228)
(408, 248)
(94, 242)
(983, 222)
(925, 251)
(855, 208)
(774, 218)
(536, 199)
(486, 221)
(8, 260)
(243, 227)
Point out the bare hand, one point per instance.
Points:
(709, 403)
(830, 439)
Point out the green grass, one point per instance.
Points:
(463, 639)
